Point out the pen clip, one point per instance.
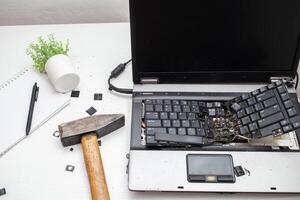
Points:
(36, 93)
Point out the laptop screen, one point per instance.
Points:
(214, 40)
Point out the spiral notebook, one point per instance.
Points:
(15, 95)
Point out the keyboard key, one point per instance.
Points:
(269, 111)
(175, 102)
(272, 85)
(191, 131)
(288, 104)
(281, 89)
(284, 122)
(151, 115)
(201, 104)
(158, 108)
(284, 96)
(292, 112)
(243, 104)
(173, 115)
(270, 120)
(149, 107)
(185, 139)
(296, 125)
(185, 123)
(159, 101)
(201, 132)
(217, 104)
(245, 96)
(181, 131)
(270, 102)
(264, 96)
(241, 113)
(250, 110)
(255, 92)
(183, 102)
(251, 101)
(246, 120)
(176, 108)
(175, 123)
(195, 108)
(150, 139)
(287, 128)
(212, 112)
(269, 129)
(236, 107)
(186, 108)
(258, 106)
(172, 131)
(254, 117)
(209, 105)
(265, 88)
(152, 131)
(166, 123)
(167, 101)
(191, 116)
(195, 123)
(244, 130)
(148, 101)
(153, 123)
(168, 108)
(163, 115)
(278, 82)
(182, 115)
(253, 126)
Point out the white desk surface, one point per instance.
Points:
(35, 169)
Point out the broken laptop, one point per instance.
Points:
(214, 102)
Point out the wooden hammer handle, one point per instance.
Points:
(94, 167)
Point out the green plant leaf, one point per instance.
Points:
(43, 49)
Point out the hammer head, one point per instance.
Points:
(71, 132)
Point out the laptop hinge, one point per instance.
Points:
(149, 80)
(287, 80)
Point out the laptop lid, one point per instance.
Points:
(200, 41)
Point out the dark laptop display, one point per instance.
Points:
(214, 40)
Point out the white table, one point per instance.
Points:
(35, 169)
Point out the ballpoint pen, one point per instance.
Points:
(34, 96)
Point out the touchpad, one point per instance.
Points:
(210, 168)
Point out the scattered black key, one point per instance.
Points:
(185, 123)
(91, 110)
(250, 110)
(201, 132)
(241, 113)
(253, 126)
(296, 125)
(75, 93)
(284, 122)
(172, 131)
(255, 92)
(254, 117)
(246, 120)
(284, 96)
(175, 123)
(186, 108)
(265, 88)
(236, 107)
(2, 191)
(244, 130)
(182, 116)
(191, 116)
(98, 96)
(168, 108)
(176, 108)
(251, 101)
(195, 123)
(281, 89)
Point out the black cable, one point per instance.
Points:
(114, 74)
(297, 80)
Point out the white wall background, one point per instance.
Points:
(19, 12)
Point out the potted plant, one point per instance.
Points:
(51, 57)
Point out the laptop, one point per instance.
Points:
(214, 104)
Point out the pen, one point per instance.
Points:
(34, 96)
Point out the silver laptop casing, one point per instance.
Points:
(165, 170)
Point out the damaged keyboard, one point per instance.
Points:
(263, 112)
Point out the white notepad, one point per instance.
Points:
(15, 95)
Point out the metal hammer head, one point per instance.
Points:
(71, 132)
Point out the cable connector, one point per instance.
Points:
(118, 70)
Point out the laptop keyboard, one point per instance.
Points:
(263, 112)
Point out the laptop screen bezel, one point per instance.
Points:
(204, 76)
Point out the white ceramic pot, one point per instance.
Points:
(61, 73)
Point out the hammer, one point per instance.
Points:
(87, 131)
